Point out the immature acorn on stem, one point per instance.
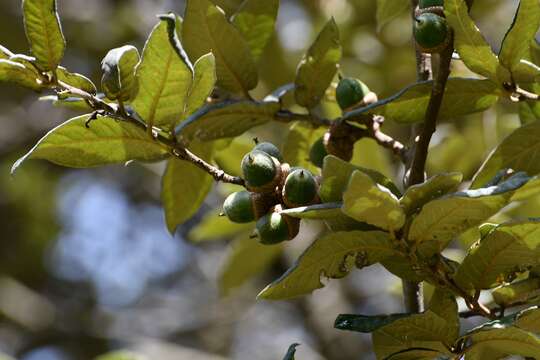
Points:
(300, 189)
(318, 152)
(431, 32)
(268, 148)
(243, 206)
(352, 92)
(274, 227)
(261, 171)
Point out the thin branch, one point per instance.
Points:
(288, 116)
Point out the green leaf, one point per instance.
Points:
(214, 227)
(226, 119)
(444, 304)
(318, 66)
(331, 256)
(469, 42)
(184, 187)
(335, 178)
(419, 354)
(291, 352)
(118, 67)
(442, 219)
(208, 30)
(247, 259)
(388, 10)
(229, 6)
(462, 96)
(203, 83)
(72, 103)
(402, 267)
(366, 201)
(508, 341)
(529, 320)
(417, 196)
(365, 324)
(299, 140)
(516, 45)
(229, 158)
(256, 20)
(44, 33)
(5, 53)
(18, 74)
(426, 330)
(524, 291)
(319, 211)
(120, 355)
(105, 141)
(518, 151)
(77, 80)
(165, 76)
(508, 249)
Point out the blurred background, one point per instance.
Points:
(86, 263)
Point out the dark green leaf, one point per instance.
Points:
(105, 141)
(365, 324)
(331, 256)
(203, 83)
(184, 187)
(506, 250)
(291, 352)
(247, 259)
(388, 10)
(366, 201)
(118, 67)
(44, 33)
(256, 20)
(336, 174)
(299, 140)
(518, 151)
(226, 119)
(318, 66)
(18, 74)
(165, 76)
(208, 30)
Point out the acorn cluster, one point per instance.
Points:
(272, 186)
(431, 31)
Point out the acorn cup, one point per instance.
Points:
(430, 6)
(274, 227)
(300, 189)
(431, 33)
(262, 172)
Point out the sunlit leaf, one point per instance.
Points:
(203, 83)
(16, 73)
(118, 67)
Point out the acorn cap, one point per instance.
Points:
(431, 33)
(423, 4)
(270, 149)
(261, 171)
(300, 189)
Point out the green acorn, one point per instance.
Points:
(350, 92)
(270, 149)
(274, 227)
(300, 189)
(243, 206)
(422, 4)
(261, 171)
(318, 152)
(431, 32)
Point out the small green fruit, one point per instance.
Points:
(300, 189)
(239, 207)
(261, 171)
(431, 32)
(270, 149)
(318, 152)
(422, 4)
(350, 92)
(274, 228)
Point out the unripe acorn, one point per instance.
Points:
(350, 92)
(243, 206)
(261, 171)
(300, 189)
(422, 4)
(270, 149)
(318, 152)
(431, 32)
(274, 227)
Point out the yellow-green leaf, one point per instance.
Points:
(331, 256)
(507, 341)
(298, 143)
(443, 303)
(118, 67)
(165, 76)
(388, 10)
(529, 320)
(105, 141)
(318, 66)
(18, 74)
(203, 83)
(214, 227)
(208, 30)
(524, 291)
(77, 80)
(44, 32)
(5, 53)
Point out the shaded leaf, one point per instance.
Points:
(203, 83)
(331, 256)
(469, 42)
(214, 227)
(366, 201)
(518, 151)
(444, 304)
(208, 30)
(226, 119)
(18, 74)
(299, 140)
(388, 10)
(336, 174)
(318, 66)
(402, 267)
(44, 33)
(230, 157)
(105, 141)
(507, 341)
(247, 259)
(184, 187)
(365, 324)
(417, 196)
(529, 320)
(118, 67)
(506, 250)
(319, 211)
(523, 291)
(164, 75)
(121, 355)
(419, 354)
(255, 20)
